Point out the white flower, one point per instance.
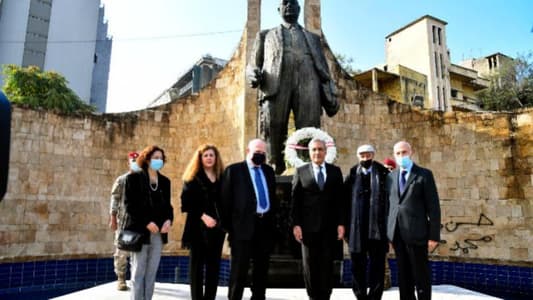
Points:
(291, 145)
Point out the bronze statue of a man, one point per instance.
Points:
(289, 67)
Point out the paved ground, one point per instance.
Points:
(164, 291)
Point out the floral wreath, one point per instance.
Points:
(292, 145)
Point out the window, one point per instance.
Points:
(439, 34)
(45, 2)
(441, 66)
(454, 93)
(436, 64)
(434, 34)
(438, 97)
(444, 98)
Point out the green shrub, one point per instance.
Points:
(34, 88)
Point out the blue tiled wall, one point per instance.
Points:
(75, 274)
(54, 275)
(509, 282)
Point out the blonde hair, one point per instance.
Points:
(195, 164)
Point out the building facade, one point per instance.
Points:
(490, 66)
(69, 37)
(421, 46)
(418, 70)
(192, 80)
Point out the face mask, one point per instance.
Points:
(258, 158)
(156, 164)
(366, 163)
(404, 162)
(134, 167)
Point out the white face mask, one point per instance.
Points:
(134, 167)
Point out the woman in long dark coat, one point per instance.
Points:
(202, 234)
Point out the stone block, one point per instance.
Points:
(53, 247)
(516, 211)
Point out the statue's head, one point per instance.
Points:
(289, 10)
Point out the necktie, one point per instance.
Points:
(260, 188)
(402, 181)
(320, 178)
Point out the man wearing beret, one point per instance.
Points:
(389, 163)
(366, 223)
(116, 213)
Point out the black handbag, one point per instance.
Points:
(129, 240)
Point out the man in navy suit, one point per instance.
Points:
(414, 222)
(247, 212)
(318, 218)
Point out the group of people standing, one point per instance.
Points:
(373, 207)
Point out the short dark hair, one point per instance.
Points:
(146, 154)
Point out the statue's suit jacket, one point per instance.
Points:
(267, 55)
(416, 211)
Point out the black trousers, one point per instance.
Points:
(317, 260)
(256, 250)
(373, 256)
(413, 269)
(205, 253)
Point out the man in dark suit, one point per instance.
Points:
(247, 211)
(414, 222)
(317, 216)
(289, 67)
(367, 223)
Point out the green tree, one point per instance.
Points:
(32, 87)
(510, 88)
(347, 63)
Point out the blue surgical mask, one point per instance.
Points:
(134, 167)
(404, 162)
(156, 164)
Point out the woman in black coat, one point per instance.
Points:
(202, 234)
(149, 212)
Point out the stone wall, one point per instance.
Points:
(482, 164)
(62, 167)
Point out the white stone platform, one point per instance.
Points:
(166, 291)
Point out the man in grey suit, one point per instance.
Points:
(318, 219)
(289, 67)
(414, 222)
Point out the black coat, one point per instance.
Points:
(141, 210)
(239, 202)
(315, 210)
(378, 206)
(416, 211)
(199, 196)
